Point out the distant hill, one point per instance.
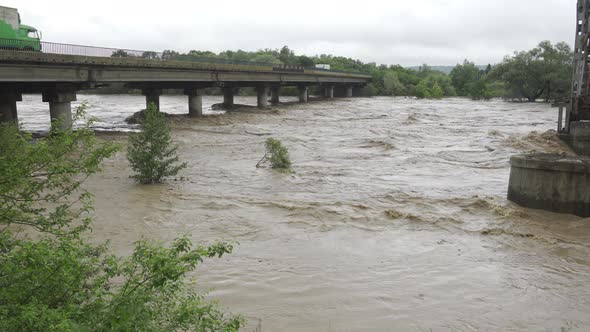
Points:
(444, 69)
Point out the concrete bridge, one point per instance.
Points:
(59, 76)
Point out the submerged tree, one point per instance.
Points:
(436, 91)
(463, 75)
(276, 154)
(422, 90)
(56, 281)
(150, 152)
(543, 72)
(479, 90)
(392, 85)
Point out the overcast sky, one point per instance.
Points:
(406, 32)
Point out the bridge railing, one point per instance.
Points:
(108, 52)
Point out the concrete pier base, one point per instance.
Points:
(303, 94)
(60, 108)
(152, 96)
(228, 97)
(262, 93)
(8, 111)
(61, 112)
(275, 93)
(195, 102)
(551, 182)
(349, 92)
(329, 92)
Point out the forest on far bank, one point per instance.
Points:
(542, 73)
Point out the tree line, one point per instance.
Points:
(543, 72)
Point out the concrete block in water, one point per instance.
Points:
(551, 182)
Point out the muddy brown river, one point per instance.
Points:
(394, 218)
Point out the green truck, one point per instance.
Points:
(14, 35)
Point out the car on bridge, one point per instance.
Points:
(14, 35)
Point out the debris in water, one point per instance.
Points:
(499, 231)
(258, 134)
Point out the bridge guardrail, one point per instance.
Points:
(109, 52)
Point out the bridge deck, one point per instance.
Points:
(58, 76)
(18, 66)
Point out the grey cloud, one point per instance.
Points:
(441, 32)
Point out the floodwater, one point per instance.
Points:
(394, 218)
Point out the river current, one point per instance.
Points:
(394, 218)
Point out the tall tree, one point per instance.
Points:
(150, 152)
(541, 72)
(287, 56)
(463, 75)
(392, 85)
(557, 67)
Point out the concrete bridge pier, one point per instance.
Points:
(275, 93)
(228, 96)
(329, 92)
(152, 96)
(262, 93)
(8, 111)
(551, 182)
(60, 107)
(349, 91)
(303, 94)
(195, 102)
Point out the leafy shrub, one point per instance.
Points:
(39, 179)
(276, 154)
(56, 281)
(150, 152)
(422, 90)
(479, 90)
(437, 92)
(65, 284)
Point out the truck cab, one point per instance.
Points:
(29, 34)
(14, 35)
(26, 31)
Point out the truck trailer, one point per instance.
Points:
(14, 35)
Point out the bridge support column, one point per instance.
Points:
(349, 91)
(195, 102)
(262, 92)
(8, 107)
(152, 96)
(329, 92)
(60, 107)
(303, 94)
(228, 97)
(275, 93)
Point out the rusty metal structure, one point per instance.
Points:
(580, 102)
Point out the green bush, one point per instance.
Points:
(39, 179)
(422, 90)
(437, 92)
(276, 154)
(479, 90)
(65, 284)
(56, 281)
(369, 90)
(150, 152)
